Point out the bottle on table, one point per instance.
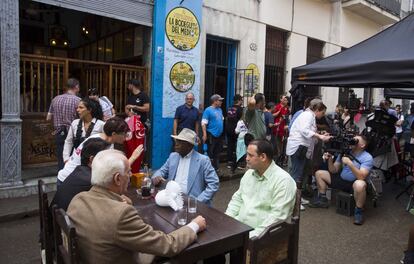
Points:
(146, 184)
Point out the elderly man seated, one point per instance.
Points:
(355, 170)
(266, 193)
(109, 229)
(190, 169)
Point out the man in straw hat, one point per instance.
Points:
(190, 169)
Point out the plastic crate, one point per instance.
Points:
(345, 203)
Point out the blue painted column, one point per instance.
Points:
(175, 71)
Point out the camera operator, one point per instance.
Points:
(355, 169)
(301, 142)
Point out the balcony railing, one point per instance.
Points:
(391, 6)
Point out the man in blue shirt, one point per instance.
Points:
(186, 116)
(352, 177)
(212, 126)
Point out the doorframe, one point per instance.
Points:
(231, 65)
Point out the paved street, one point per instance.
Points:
(325, 237)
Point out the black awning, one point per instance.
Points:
(385, 60)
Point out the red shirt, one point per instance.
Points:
(284, 111)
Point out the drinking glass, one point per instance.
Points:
(182, 216)
(192, 205)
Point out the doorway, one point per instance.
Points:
(219, 74)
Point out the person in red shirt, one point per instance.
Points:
(280, 114)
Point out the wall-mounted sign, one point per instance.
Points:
(182, 28)
(182, 76)
(182, 53)
(252, 78)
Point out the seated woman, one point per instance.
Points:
(89, 123)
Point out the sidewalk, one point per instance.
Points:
(17, 208)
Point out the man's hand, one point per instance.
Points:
(346, 161)
(325, 138)
(157, 180)
(251, 103)
(327, 156)
(126, 199)
(201, 222)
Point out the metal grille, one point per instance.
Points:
(42, 78)
(134, 11)
(217, 69)
(314, 54)
(275, 61)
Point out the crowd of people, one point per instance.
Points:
(93, 177)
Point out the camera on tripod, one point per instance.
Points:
(341, 143)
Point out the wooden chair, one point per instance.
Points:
(66, 243)
(278, 243)
(46, 234)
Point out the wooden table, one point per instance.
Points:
(223, 233)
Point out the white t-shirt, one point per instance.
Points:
(241, 129)
(97, 128)
(106, 106)
(399, 129)
(75, 159)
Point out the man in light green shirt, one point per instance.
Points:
(255, 116)
(266, 193)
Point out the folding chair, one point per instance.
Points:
(278, 243)
(65, 238)
(46, 233)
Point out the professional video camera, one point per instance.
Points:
(341, 143)
(379, 130)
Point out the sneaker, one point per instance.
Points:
(303, 201)
(319, 202)
(229, 165)
(302, 208)
(358, 219)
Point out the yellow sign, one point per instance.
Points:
(182, 28)
(252, 78)
(182, 76)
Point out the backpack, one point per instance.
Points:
(231, 120)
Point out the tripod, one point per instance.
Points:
(409, 169)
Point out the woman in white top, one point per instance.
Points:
(106, 105)
(89, 123)
(301, 139)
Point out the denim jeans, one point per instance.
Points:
(60, 143)
(298, 161)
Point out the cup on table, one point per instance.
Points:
(182, 216)
(192, 205)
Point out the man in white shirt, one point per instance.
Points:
(191, 170)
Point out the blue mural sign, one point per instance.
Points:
(175, 67)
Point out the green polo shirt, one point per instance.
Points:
(256, 123)
(263, 200)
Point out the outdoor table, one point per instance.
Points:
(223, 233)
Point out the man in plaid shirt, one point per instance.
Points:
(63, 111)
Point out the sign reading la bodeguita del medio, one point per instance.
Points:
(182, 28)
(182, 54)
